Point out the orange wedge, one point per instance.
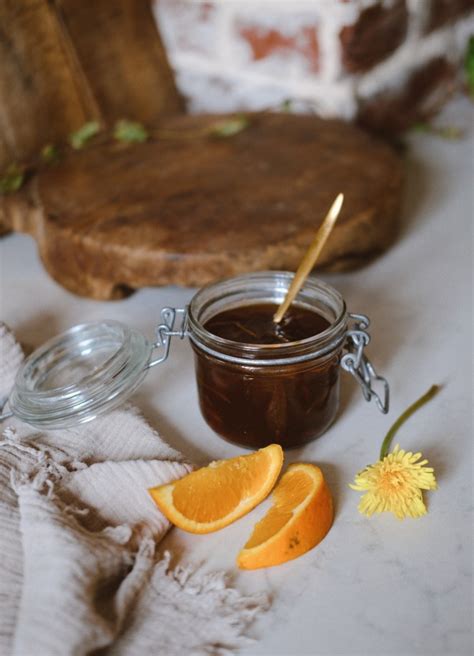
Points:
(300, 517)
(215, 496)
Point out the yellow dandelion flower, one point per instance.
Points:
(395, 485)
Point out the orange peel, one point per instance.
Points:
(300, 517)
(213, 497)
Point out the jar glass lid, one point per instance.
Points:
(80, 374)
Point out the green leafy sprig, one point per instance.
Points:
(449, 132)
(12, 179)
(229, 127)
(130, 132)
(124, 131)
(81, 137)
(49, 154)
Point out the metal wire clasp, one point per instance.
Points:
(356, 363)
(167, 329)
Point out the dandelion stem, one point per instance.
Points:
(434, 389)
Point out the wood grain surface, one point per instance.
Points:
(189, 211)
(65, 62)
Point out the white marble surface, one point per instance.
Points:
(375, 586)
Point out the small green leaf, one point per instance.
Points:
(229, 127)
(12, 179)
(130, 131)
(286, 106)
(450, 132)
(421, 127)
(82, 136)
(49, 153)
(469, 66)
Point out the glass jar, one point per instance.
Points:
(250, 394)
(256, 395)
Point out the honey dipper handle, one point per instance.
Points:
(310, 257)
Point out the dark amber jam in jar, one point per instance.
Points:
(260, 383)
(253, 324)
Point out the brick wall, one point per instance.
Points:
(384, 62)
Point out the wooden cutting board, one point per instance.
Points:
(187, 211)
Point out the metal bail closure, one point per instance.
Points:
(168, 329)
(357, 363)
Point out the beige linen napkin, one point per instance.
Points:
(79, 569)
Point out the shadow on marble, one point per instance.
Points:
(170, 433)
(349, 394)
(334, 479)
(175, 544)
(440, 458)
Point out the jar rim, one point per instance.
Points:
(278, 282)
